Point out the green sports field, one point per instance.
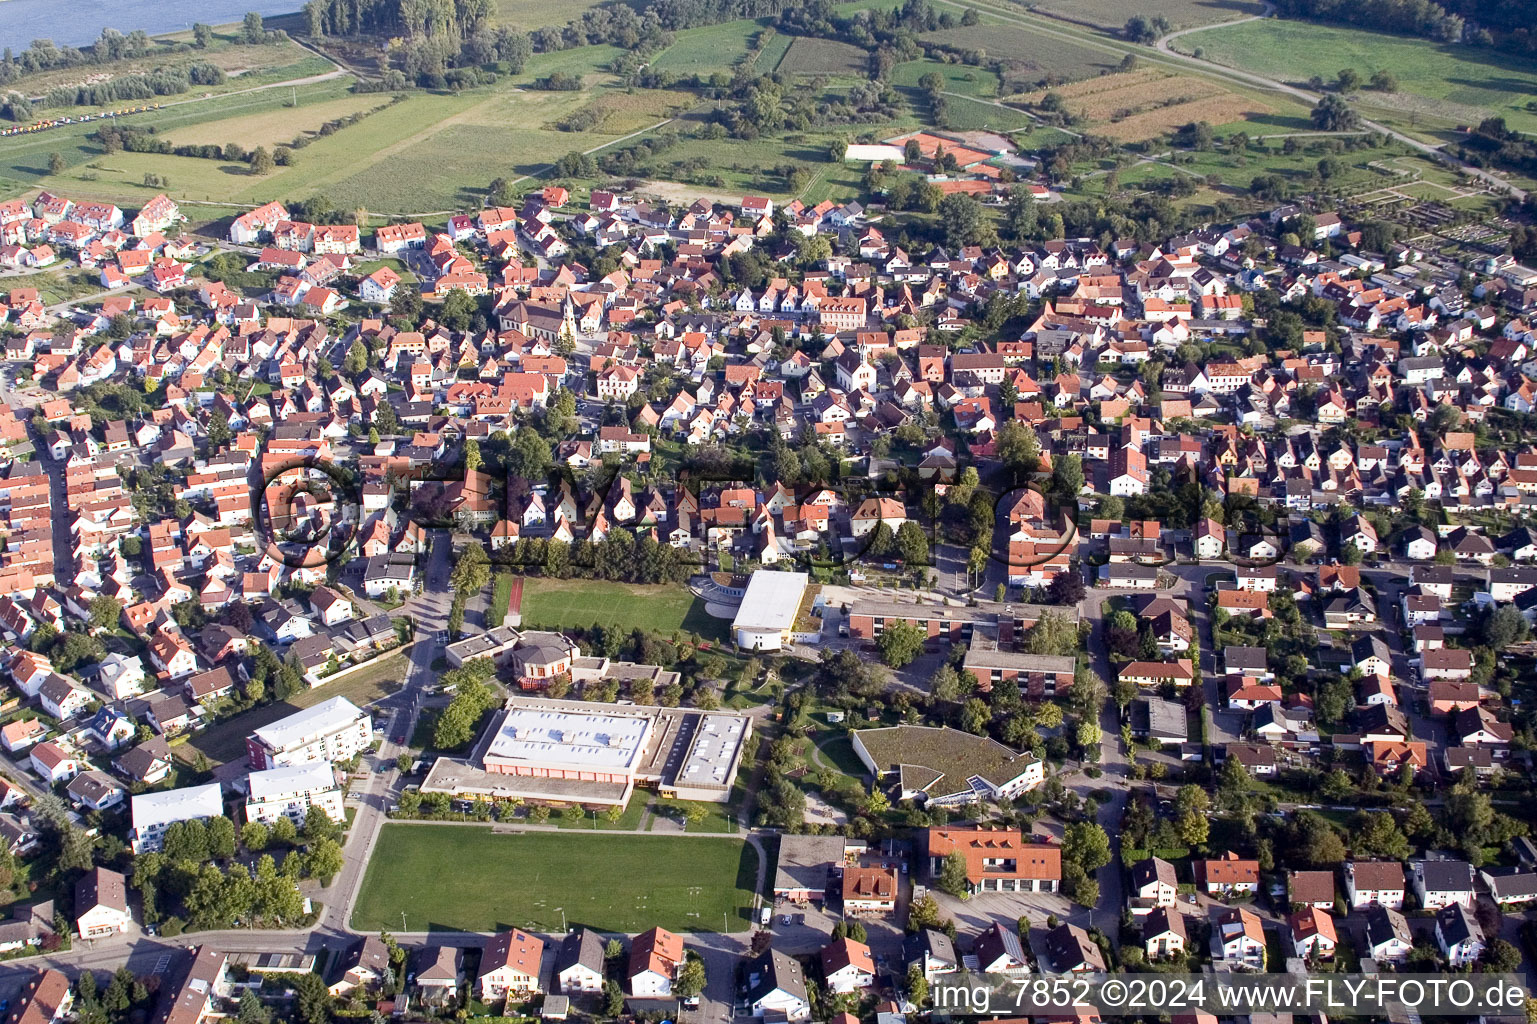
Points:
(554, 604)
(457, 878)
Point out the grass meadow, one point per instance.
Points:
(609, 882)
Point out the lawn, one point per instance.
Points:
(543, 880)
(959, 78)
(501, 593)
(629, 821)
(1437, 82)
(664, 608)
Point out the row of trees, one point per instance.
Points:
(473, 697)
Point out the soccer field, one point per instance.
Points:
(456, 878)
(559, 604)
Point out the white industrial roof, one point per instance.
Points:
(299, 778)
(715, 747)
(576, 738)
(771, 601)
(864, 152)
(305, 725)
(166, 806)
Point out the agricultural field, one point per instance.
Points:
(1439, 86)
(620, 113)
(1032, 57)
(1112, 14)
(712, 48)
(24, 160)
(1136, 105)
(530, 879)
(664, 608)
(808, 56)
(277, 126)
(246, 65)
(532, 14)
(965, 115)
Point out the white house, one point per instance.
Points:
(848, 966)
(101, 904)
(776, 987)
(1442, 883)
(1459, 935)
(1374, 882)
(655, 957)
(290, 791)
(154, 812)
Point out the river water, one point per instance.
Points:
(78, 22)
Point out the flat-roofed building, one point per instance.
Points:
(290, 792)
(330, 731)
(564, 751)
(805, 866)
(766, 617)
(947, 767)
(153, 813)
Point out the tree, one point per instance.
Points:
(952, 876)
(251, 29)
(472, 571)
(1333, 114)
(917, 985)
(613, 999)
(325, 859)
(1191, 805)
(976, 716)
(912, 544)
(690, 980)
(105, 611)
(1315, 841)
(313, 1003)
(900, 643)
(252, 1010)
(318, 825)
(221, 837)
(965, 221)
(1087, 845)
(1066, 588)
(1502, 626)
(1348, 80)
(1067, 476)
(1502, 957)
(255, 836)
(56, 163)
(262, 162)
(1018, 447)
(1378, 835)
(284, 831)
(472, 460)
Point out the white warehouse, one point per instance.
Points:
(766, 618)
